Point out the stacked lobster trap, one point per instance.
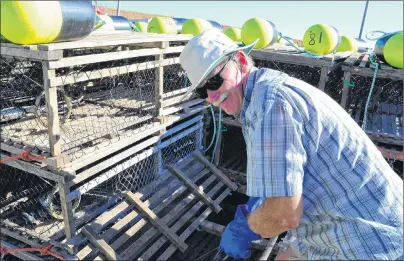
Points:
(84, 121)
(383, 121)
(323, 72)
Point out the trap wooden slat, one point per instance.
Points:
(101, 245)
(152, 218)
(197, 191)
(173, 189)
(185, 210)
(129, 219)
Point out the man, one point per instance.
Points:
(321, 176)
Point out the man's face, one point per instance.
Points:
(229, 96)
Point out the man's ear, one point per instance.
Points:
(242, 58)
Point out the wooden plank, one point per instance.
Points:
(395, 74)
(365, 61)
(52, 111)
(159, 79)
(137, 246)
(184, 219)
(196, 190)
(184, 235)
(106, 249)
(198, 155)
(288, 58)
(113, 160)
(113, 146)
(166, 231)
(112, 41)
(33, 169)
(108, 72)
(31, 54)
(20, 237)
(323, 78)
(67, 213)
(345, 89)
(179, 107)
(352, 59)
(21, 255)
(111, 56)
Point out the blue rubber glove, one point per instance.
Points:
(237, 236)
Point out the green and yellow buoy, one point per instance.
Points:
(348, 44)
(321, 39)
(141, 26)
(36, 22)
(162, 25)
(261, 29)
(195, 26)
(389, 49)
(233, 33)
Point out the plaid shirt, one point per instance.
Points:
(300, 141)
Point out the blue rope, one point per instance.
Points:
(365, 116)
(301, 50)
(214, 128)
(217, 137)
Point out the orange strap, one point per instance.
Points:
(26, 155)
(391, 155)
(44, 251)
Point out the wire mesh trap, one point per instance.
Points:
(97, 95)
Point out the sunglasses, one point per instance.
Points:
(212, 84)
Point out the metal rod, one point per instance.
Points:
(118, 7)
(363, 19)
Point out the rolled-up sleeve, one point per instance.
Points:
(275, 152)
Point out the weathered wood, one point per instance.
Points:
(108, 40)
(166, 231)
(323, 78)
(345, 89)
(67, 212)
(20, 237)
(368, 72)
(36, 170)
(108, 72)
(364, 62)
(289, 58)
(31, 54)
(183, 220)
(159, 78)
(184, 235)
(52, 110)
(140, 243)
(113, 146)
(113, 160)
(102, 246)
(198, 155)
(179, 107)
(111, 56)
(196, 190)
(21, 255)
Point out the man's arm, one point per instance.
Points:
(276, 215)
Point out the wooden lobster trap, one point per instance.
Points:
(323, 72)
(384, 118)
(67, 101)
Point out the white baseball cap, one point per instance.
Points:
(204, 52)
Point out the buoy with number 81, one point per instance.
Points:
(321, 39)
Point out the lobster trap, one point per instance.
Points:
(54, 209)
(71, 101)
(325, 73)
(384, 119)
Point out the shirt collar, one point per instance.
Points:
(248, 93)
